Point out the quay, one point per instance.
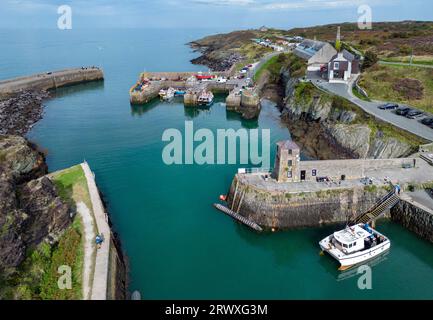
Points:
(50, 80)
(296, 194)
(242, 97)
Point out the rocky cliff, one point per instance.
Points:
(343, 124)
(30, 209)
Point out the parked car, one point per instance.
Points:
(403, 111)
(388, 106)
(414, 114)
(427, 121)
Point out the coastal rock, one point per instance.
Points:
(21, 111)
(30, 210)
(341, 128)
(354, 138)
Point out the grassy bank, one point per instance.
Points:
(388, 83)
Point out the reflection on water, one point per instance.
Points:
(78, 89)
(352, 272)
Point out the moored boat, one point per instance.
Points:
(205, 98)
(167, 94)
(355, 245)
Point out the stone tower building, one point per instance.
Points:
(287, 162)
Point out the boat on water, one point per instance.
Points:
(355, 245)
(205, 98)
(179, 93)
(167, 94)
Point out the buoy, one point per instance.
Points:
(273, 229)
(322, 253)
(223, 197)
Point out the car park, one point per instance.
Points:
(427, 121)
(413, 114)
(403, 111)
(388, 106)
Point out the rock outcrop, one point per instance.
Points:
(344, 125)
(30, 208)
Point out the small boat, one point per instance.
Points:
(355, 245)
(205, 98)
(179, 93)
(167, 94)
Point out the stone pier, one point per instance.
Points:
(50, 80)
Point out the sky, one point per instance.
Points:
(220, 14)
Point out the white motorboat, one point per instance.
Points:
(355, 245)
(167, 94)
(205, 98)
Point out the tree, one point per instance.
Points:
(370, 59)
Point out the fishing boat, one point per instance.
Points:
(355, 245)
(205, 98)
(167, 94)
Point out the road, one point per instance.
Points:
(345, 91)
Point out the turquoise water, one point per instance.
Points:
(178, 245)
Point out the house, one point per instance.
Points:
(317, 53)
(342, 66)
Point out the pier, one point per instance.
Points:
(50, 80)
(242, 96)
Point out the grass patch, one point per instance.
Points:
(423, 60)
(379, 83)
(72, 186)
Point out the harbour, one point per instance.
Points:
(173, 246)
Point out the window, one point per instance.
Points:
(337, 65)
(290, 163)
(290, 151)
(350, 245)
(289, 174)
(345, 245)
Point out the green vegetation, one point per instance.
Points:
(72, 186)
(370, 59)
(421, 60)
(274, 65)
(37, 276)
(395, 83)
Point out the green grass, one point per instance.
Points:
(72, 186)
(423, 60)
(359, 95)
(378, 81)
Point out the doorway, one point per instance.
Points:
(303, 175)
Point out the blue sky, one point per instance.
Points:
(220, 14)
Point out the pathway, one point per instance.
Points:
(100, 279)
(405, 64)
(89, 248)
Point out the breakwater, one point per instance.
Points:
(50, 80)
